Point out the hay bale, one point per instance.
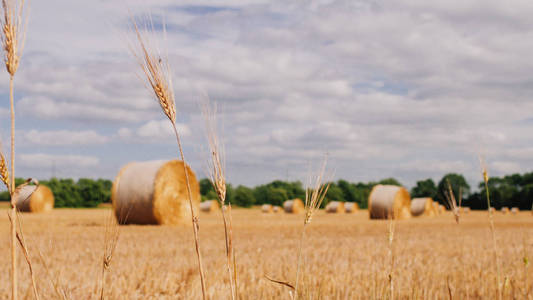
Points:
(465, 210)
(515, 210)
(389, 201)
(423, 207)
(209, 206)
(442, 209)
(351, 207)
(266, 208)
(276, 209)
(154, 192)
(35, 199)
(504, 210)
(335, 207)
(294, 206)
(492, 209)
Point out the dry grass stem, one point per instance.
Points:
(392, 229)
(485, 175)
(217, 175)
(111, 236)
(451, 202)
(157, 72)
(315, 193)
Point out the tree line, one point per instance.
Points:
(85, 192)
(511, 191)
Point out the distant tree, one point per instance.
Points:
(390, 181)
(334, 193)
(457, 182)
(425, 188)
(276, 196)
(205, 186)
(244, 196)
(348, 190)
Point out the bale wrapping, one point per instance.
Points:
(154, 192)
(294, 206)
(389, 201)
(266, 208)
(335, 207)
(423, 207)
(209, 206)
(35, 199)
(351, 207)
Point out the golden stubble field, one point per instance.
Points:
(346, 256)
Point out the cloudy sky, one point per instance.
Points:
(409, 89)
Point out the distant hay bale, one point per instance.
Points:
(276, 209)
(442, 209)
(266, 208)
(154, 192)
(209, 206)
(504, 210)
(423, 207)
(35, 199)
(335, 207)
(389, 201)
(515, 210)
(465, 210)
(436, 207)
(294, 206)
(492, 209)
(351, 207)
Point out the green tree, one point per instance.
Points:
(276, 196)
(244, 196)
(457, 182)
(334, 193)
(348, 190)
(390, 181)
(425, 188)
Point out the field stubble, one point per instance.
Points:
(346, 256)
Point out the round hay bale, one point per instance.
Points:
(465, 210)
(154, 192)
(294, 206)
(505, 210)
(209, 206)
(389, 201)
(423, 207)
(492, 209)
(442, 209)
(35, 199)
(515, 210)
(351, 207)
(335, 207)
(266, 208)
(276, 209)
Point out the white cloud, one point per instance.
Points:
(42, 160)
(63, 137)
(153, 131)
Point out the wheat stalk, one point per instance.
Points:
(111, 236)
(157, 72)
(450, 200)
(485, 175)
(4, 173)
(217, 174)
(314, 195)
(13, 35)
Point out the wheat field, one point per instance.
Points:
(345, 257)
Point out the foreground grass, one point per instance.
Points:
(346, 256)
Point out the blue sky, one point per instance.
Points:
(408, 89)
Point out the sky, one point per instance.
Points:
(407, 89)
